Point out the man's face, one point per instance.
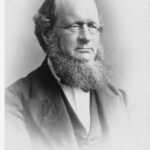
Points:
(76, 28)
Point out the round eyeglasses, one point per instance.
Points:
(77, 28)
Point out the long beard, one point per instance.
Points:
(76, 73)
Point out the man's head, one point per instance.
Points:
(69, 32)
(65, 16)
(77, 28)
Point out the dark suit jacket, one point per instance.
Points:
(37, 112)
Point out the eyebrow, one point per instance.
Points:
(79, 23)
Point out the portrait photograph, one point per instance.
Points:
(77, 75)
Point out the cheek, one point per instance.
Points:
(68, 44)
(97, 41)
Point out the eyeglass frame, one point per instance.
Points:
(77, 27)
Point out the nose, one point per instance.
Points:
(84, 35)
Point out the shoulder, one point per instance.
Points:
(111, 96)
(14, 116)
(18, 115)
(17, 96)
(25, 86)
(118, 92)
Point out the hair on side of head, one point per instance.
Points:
(45, 21)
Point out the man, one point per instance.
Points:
(68, 102)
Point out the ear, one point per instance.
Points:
(51, 40)
(45, 38)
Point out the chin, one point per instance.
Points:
(85, 59)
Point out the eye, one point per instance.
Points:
(74, 27)
(93, 26)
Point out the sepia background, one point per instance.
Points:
(126, 39)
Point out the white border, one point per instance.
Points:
(2, 37)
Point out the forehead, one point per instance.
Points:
(76, 10)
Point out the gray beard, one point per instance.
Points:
(76, 73)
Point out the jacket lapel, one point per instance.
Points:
(49, 110)
(112, 111)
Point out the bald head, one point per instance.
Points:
(82, 8)
(74, 3)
